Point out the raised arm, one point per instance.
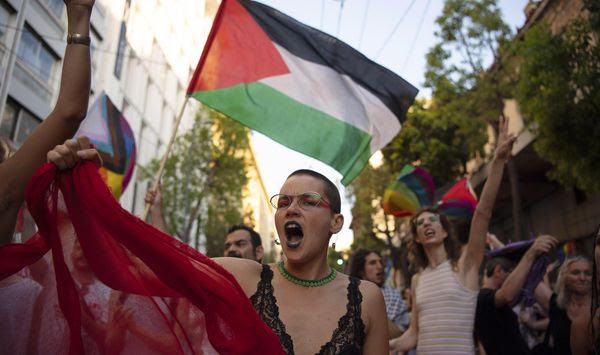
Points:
(154, 199)
(472, 258)
(514, 282)
(61, 124)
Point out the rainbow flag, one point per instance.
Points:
(565, 251)
(459, 201)
(109, 131)
(413, 189)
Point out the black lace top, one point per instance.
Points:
(347, 338)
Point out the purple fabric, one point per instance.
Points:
(516, 250)
(511, 250)
(536, 274)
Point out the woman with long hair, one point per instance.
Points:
(585, 330)
(570, 300)
(445, 290)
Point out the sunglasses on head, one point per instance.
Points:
(306, 200)
(433, 218)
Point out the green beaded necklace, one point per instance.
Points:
(306, 283)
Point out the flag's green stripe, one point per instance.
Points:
(309, 131)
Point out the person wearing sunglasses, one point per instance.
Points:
(445, 290)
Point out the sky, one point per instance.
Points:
(394, 33)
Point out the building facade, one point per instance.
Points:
(143, 55)
(546, 207)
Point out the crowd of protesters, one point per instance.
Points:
(452, 304)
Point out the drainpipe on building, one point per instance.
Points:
(8, 73)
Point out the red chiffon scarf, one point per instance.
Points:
(99, 280)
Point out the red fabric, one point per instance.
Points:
(121, 284)
(237, 51)
(460, 191)
(20, 222)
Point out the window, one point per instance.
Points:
(122, 42)
(33, 52)
(17, 123)
(120, 51)
(4, 20)
(55, 6)
(96, 42)
(25, 125)
(9, 119)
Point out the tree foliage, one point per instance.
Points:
(445, 133)
(559, 95)
(438, 138)
(203, 180)
(367, 214)
(373, 229)
(474, 31)
(441, 134)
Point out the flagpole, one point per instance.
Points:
(211, 35)
(163, 162)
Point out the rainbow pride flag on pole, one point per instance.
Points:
(299, 86)
(109, 131)
(413, 189)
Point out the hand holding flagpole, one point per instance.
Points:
(163, 162)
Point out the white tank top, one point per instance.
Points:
(446, 312)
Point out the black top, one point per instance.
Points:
(348, 337)
(559, 329)
(497, 328)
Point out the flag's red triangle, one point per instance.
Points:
(237, 51)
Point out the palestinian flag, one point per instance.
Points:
(299, 86)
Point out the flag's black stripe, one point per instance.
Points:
(318, 47)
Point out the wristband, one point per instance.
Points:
(78, 38)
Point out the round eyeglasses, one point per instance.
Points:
(306, 200)
(432, 219)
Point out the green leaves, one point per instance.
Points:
(443, 133)
(474, 31)
(439, 138)
(559, 95)
(204, 178)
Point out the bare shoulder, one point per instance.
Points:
(373, 305)
(371, 293)
(246, 272)
(369, 290)
(374, 318)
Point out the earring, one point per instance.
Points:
(335, 241)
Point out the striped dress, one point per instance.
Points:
(446, 312)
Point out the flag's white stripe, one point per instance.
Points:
(326, 90)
